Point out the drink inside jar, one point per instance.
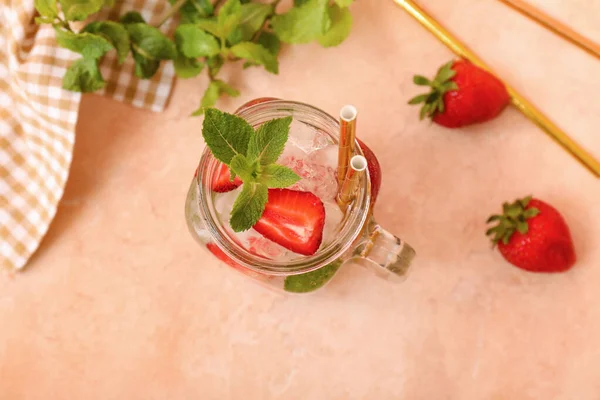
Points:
(312, 154)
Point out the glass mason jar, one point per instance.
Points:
(360, 239)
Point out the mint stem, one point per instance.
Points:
(176, 7)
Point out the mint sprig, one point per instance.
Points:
(209, 34)
(250, 155)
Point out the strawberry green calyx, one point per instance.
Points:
(513, 219)
(434, 100)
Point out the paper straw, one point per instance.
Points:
(555, 26)
(358, 165)
(348, 116)
(522, 104)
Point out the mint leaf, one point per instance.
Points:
(249, 206)
(252, 19)
(212, 93)
(270, 42)
(341, 24)
(209, 99)
(44, 20)
(46, 8)
(151, 42)
(311, 281)
(214, 64)
(193, 10)
(211, 26)
(193, 42)
(226, 135)
(244, 168)
(277, 176)
(145, 68)
(302, 24)
(83, 76)
(267, 144)
(298, 3)
(187, 67)
(255, 53)
(343, 3)
(78, 10)
(132, 17)
(225, 88)
(87, 44)
(229, 17)
(149, 46)
(115, 33)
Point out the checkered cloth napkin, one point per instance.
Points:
(38, 117)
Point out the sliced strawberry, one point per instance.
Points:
(222, 180)
(374, 170)
(294, 220)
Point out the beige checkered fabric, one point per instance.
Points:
(38, 117)
(122, 84)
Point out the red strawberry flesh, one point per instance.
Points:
(222, 180)
(294, 220)
(374, 170)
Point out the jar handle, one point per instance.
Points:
(383, 253)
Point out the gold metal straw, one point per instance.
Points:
(348, 116)
(518, 101)
(555, 26)
(358, 166)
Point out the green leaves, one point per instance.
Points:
(269, 141)
(78, 10)
(247, 30)
(226, 135)
(187, 67)
(132, 17)
(343, 3)
(513, 219)
(83, 76)
(253, 16)
(46, 8)
(113, 32)
(249, 206)
(88, 45)
(193, 42)
(211, 26)
(149, 46)
(229, 17)
(194, 10)
(212, 93)
(341, 24)
(250, 155)
(256, 54)
(433, 102)
(311, 281)
(304, 23)
(278, 176)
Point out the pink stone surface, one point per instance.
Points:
(120, 303)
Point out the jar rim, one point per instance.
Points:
(354, 219)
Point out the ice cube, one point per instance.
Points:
(224, 203)
(333, 218)
(306, 138)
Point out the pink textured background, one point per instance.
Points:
(120, 303)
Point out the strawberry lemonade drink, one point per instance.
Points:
(264, 199)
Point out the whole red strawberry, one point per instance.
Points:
(532, 235)
(461, 94)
